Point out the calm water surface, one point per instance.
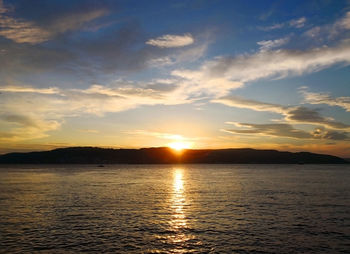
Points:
(175, 209)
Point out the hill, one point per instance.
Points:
(164, 155)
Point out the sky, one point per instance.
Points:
(204, 74)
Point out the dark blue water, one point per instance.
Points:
(175, 209)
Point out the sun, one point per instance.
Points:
(179, 146)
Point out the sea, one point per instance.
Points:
(175, 208)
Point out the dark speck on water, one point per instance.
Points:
(175, 209)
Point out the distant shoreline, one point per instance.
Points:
(165, 155)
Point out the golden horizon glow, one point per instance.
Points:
(180, 145)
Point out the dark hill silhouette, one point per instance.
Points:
(164, 155)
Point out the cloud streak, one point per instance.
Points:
(48, 107)
(230, 73)
(325, 98)
(270, 44)
(24, 31)
(330, 31)
(292, 114)
(275, 130)
(19, 89)
(298, 23)
(286, 131)
(171, 41)
(294, 23)
(19, 127)
(239, 102)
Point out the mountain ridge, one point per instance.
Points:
(165, 155)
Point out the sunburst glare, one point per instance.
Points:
(180, 145)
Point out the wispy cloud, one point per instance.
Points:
(270, 44)
(76, 20)
(313, 32)
(171, 41)
(276, 130)
(222, 74)
(188, 54)
(330, 31)
(89, 131)
(24, 31)
(345, 21)
(287, 131)
(161, 135)
(19, 89)
(292, 114)
(272, 27)
(298, 23)
(20, 31)
(169, 137)
(295, 23)
(239, 102)
(309, 116)
(30, 113)
(82, 57)
(330, 134)
(325, 98)
(18, 127)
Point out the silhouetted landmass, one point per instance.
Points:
(164, 155)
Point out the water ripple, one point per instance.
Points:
(175, 209)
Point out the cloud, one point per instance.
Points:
(331, 135)
(19, 30)
(76, 20)
(278, 64)
(298, 23)
(24, 31)
(313, 32)
(20, 119)
(233, 72)
(239, 102)
(161, 135)
(272, 27)
(30, 113)
(171, 41)
(80, 57)
(172, 137)
(287, 131)
(89, 131)
(99, 100)
(292, 114)
(330, 31)
(17, 127)
(19, 89)
(31, 59)
(325, 98)
(276, 130)
(86, 59)
(217, 77)
(199, 84)
(309, 116)
(189, 54)
(345, 21)
(270, 44)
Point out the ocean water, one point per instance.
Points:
(175, 209)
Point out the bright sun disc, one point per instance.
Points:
(178, 146)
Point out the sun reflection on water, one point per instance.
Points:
(178, 181)
(178, 222)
